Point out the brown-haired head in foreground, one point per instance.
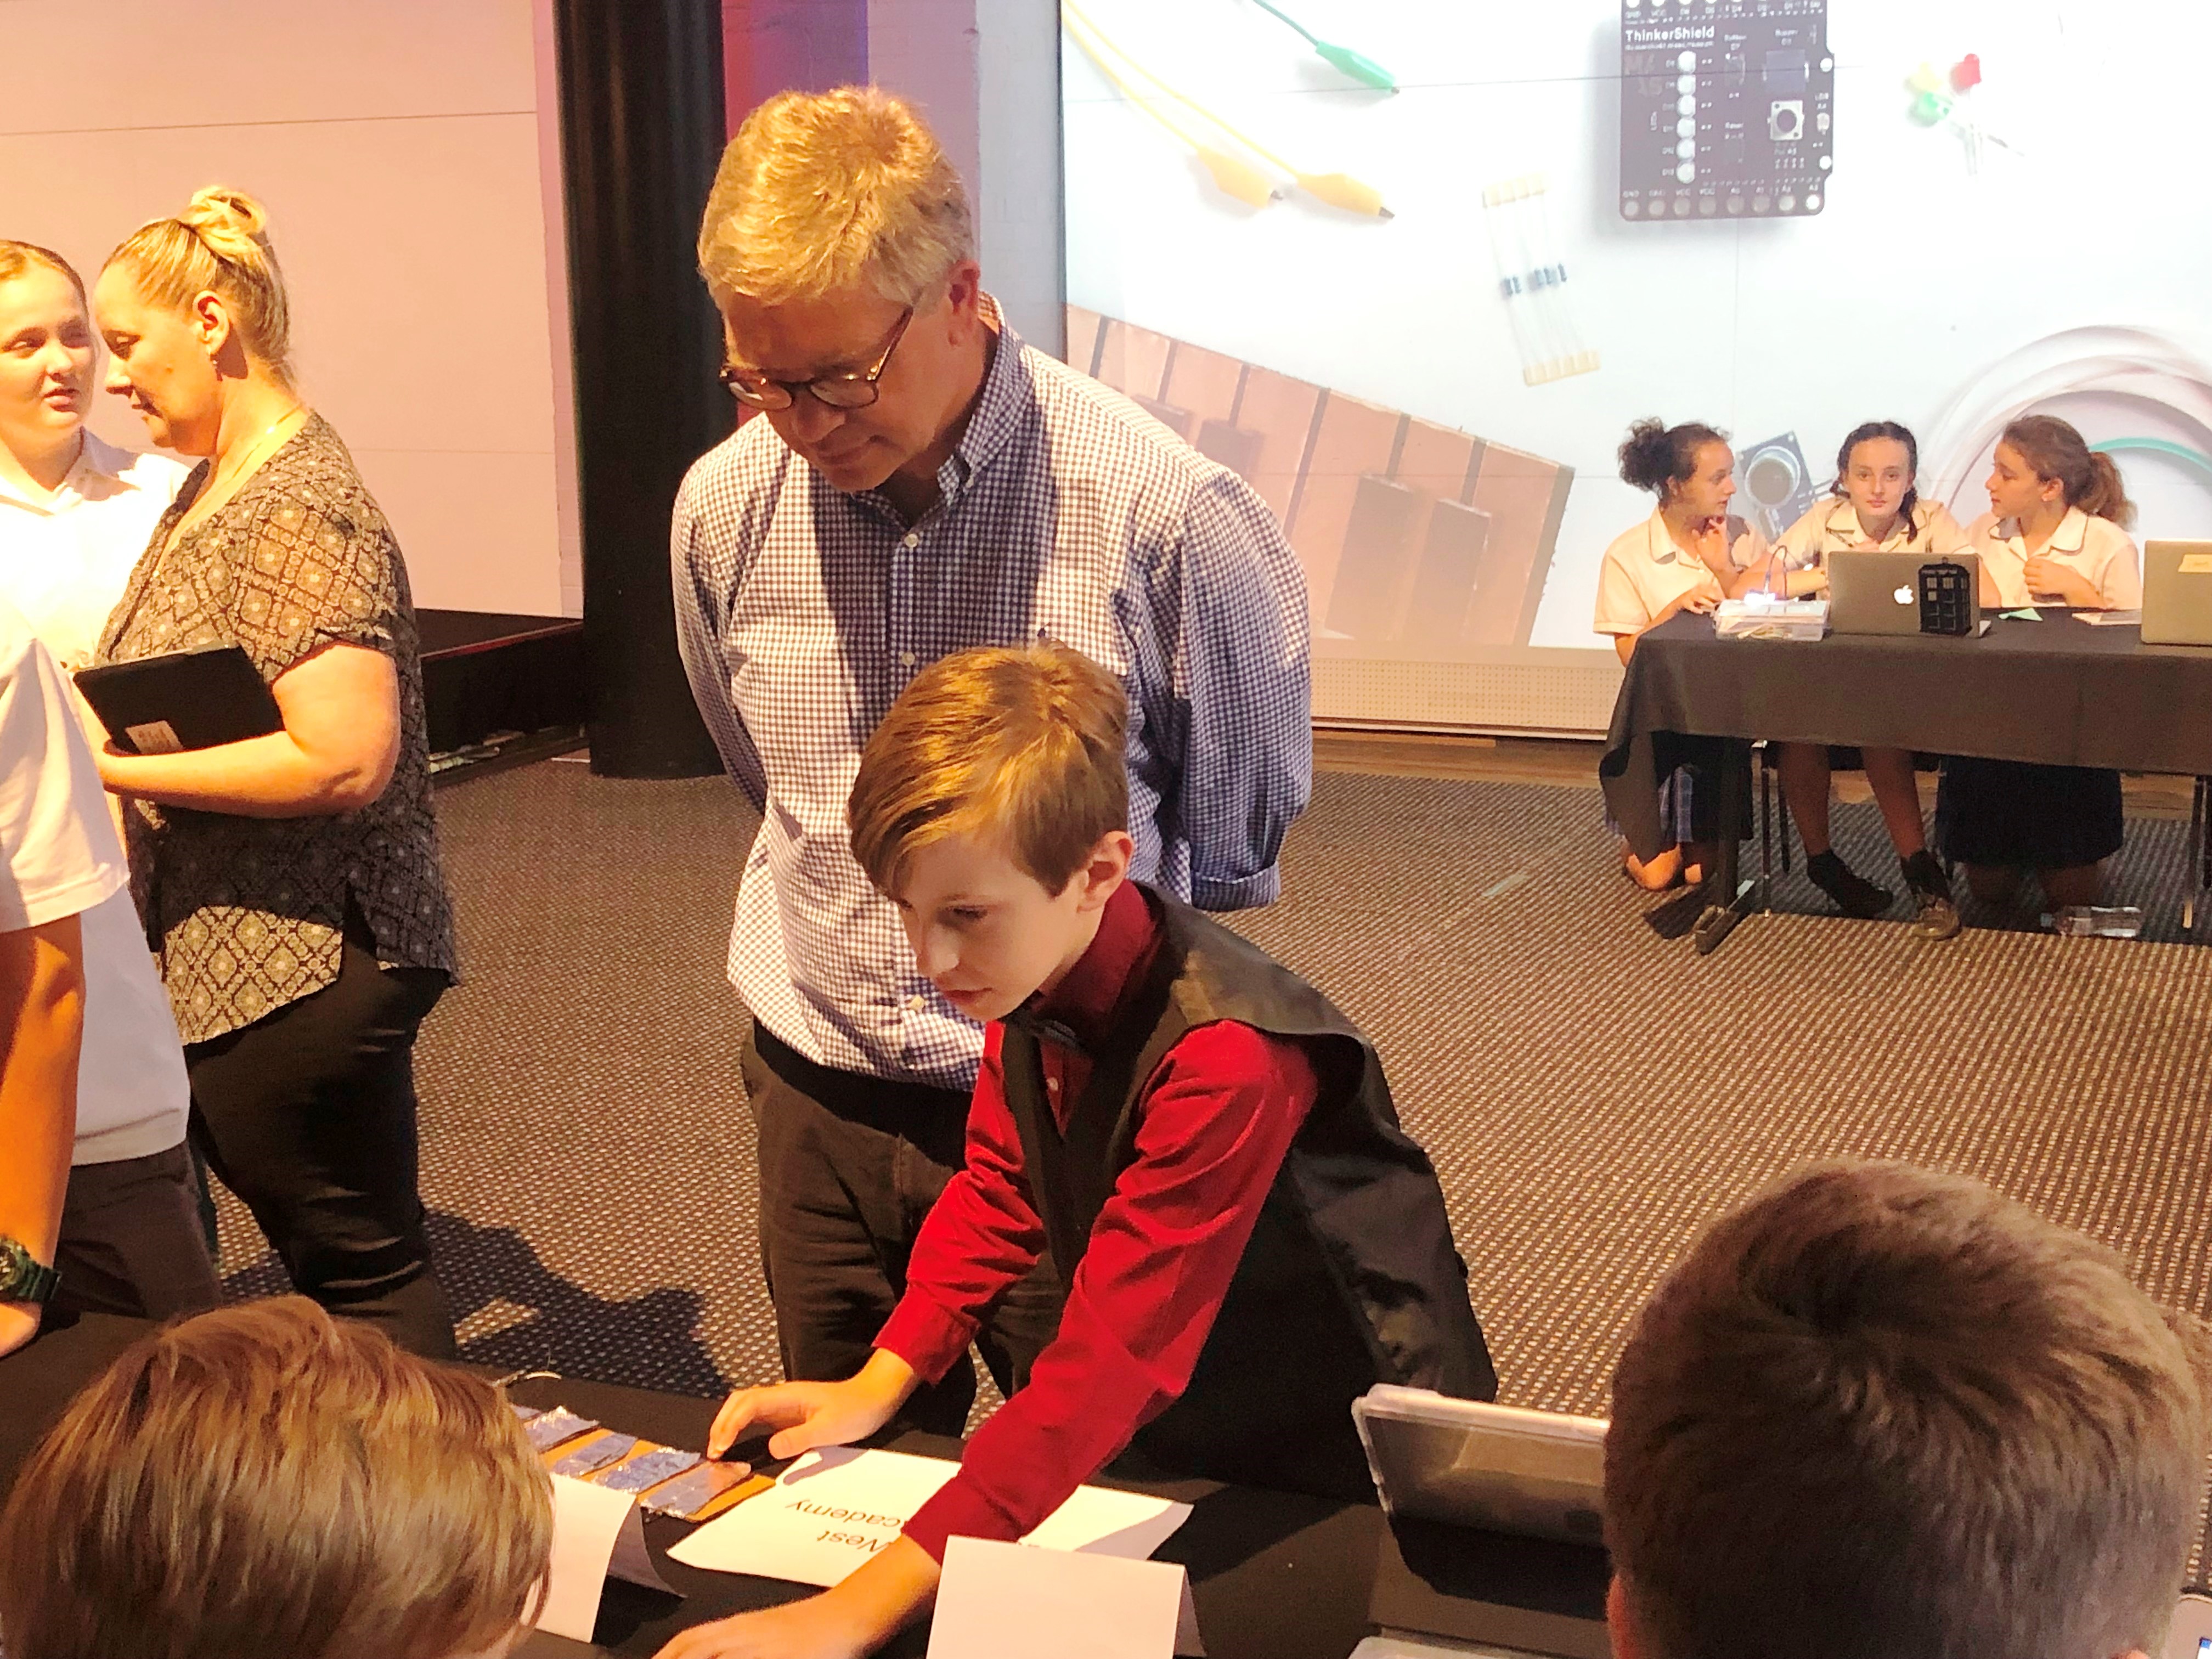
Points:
(2058, 452)
(1025, 744)
(16, 258)
(1880, 1413)
(264, 1480)
(219, 245)
(823, 192)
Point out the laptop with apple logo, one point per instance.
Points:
(1871, 592)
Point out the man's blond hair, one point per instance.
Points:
(265, 1480)
(1881, 1412)
(822, 193)
(1023, 744)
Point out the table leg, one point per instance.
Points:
(2199, 852)
(1766, 822)
(1729, 897)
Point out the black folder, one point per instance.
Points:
(182, 699)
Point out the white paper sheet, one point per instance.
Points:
(1013, 1602)
(596, 1533)
(833, 1509)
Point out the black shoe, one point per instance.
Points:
(1934, 915)
(1855, 895)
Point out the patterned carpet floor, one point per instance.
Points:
(1590, 1091)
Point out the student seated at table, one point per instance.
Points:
(1873, 505)
(265, 1480)
(2053, 535)
(1206, 1146)
(1689, 555)
(1883, 1411)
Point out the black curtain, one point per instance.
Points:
(641, 128)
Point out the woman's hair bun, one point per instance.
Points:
(222, 216)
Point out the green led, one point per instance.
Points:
(1358, 65)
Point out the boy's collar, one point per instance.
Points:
(1079, 1010)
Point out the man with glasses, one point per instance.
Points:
(920, 482)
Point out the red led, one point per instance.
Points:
(1966, 73)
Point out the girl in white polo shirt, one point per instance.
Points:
(1873, 506)
(75, 512)
(1689, 555)
(2053, 535)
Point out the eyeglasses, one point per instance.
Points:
(834, 390)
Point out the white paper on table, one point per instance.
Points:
(833, 1509)
(596, 1534)
(1015, 1601)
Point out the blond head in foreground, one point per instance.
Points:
(264, 1480)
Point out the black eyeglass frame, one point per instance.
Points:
(759, 394)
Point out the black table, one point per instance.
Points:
(1275, 1575)
(2057, 692)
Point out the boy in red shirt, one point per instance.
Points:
(1206, 1146)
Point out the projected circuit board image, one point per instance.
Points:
(1727, 108)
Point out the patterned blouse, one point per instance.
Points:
(246, 915)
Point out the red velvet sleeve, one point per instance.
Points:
(981, 1235)
(1216, 1122)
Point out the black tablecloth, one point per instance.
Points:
(2058, 691)
(1275, 1575)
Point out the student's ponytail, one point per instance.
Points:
(2107, 497)
(2089, 479)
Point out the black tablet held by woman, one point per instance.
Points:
(181, 700)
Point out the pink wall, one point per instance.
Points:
(405, 172)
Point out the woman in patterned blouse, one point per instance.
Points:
(290, 884)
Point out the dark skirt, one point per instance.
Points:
(2011, 815)
(1690, 789)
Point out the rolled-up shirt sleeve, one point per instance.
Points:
(704, 579)
(1242, 690)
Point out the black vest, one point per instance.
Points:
(1350, 1278)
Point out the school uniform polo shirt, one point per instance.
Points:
(2104, 553)
(59, 857)
(1645, 572)
(1832, 526)
(64, 562)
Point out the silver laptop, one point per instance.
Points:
(1471, 1464)
(2176, 603)
(1871, 592)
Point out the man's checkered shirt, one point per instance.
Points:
(1066, 512)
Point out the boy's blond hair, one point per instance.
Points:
(1024, 745)
(265, 1480)
(1880, 1411)
(822, 193)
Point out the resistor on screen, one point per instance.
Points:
(1532, 281)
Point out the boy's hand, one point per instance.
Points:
(853, 1618)
(806, 1415)
(817, 1628)
(19, 1323)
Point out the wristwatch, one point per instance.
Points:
(23, 1277)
